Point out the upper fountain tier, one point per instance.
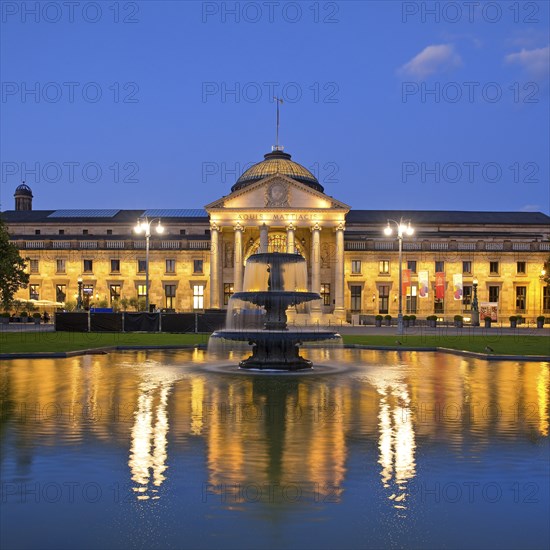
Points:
(275, 271)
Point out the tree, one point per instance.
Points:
(12, 268)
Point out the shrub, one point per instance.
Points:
(379, 317)
(512, 318)
(412, 317)
(387, 317)
(458, 318)
(6, 314)
(36, 315)
(24, 314)
(431, 317)
(406, 318)
(541, 318)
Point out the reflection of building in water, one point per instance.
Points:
(260, 431)
(396, 443)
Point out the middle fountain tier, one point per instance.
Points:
(273, 282)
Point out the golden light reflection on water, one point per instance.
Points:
(261, 431)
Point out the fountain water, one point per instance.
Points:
(273, 282)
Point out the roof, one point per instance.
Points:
(277, 162)
(447, 217)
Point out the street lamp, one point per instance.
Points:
(79, 297)
(403, 228)
(475, 305)
(144, 226)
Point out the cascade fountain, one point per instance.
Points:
(273, 282)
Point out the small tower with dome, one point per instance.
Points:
(23, 197)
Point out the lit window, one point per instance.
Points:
(384, 267)
(356, 266)
(325, 293)
(34, 292)
(170, 294)
(228, 290)
(521, 298)
(114, 293)
(60, 293)
(142, 291)
(198, 296)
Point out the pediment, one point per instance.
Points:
(277, 191)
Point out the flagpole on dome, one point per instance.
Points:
(277, 147)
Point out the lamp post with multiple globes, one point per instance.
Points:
(403, 228)
(144, 226)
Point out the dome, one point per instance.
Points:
(23, 189)
(277, 162)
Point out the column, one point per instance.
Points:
(339, 270)
(316, 263)
(214, 266)
(238, 259)
(290, 248)
(264, 238)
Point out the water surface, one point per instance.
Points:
(164, 449)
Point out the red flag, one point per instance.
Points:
(440, 285)
(406, 281)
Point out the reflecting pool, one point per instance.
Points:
(169, 449)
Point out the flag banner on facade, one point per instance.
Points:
(440, 285)
(405, 281)
(488, 309)
(457, 286)
(423, 280)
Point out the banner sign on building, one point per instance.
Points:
(440, 285)
(423, 279)
(457, 286)
(488, 309)
(406, 281)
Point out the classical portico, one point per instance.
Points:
(279, 206)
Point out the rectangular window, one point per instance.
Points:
(439, 305)
(182, 231)
(494, 292)
(170, 266)
(88, 266)
(33, 266)
(410, 305)
(411, 264)
(521, 299)
(197, 267)
(228, 290)
(85, 232)
(87, 295)
(34, 292)
(384, 267)
(521, 268)
(467, 267)
(356, 266)
(170, 295)
(198, 296)
(115, 266)
(37, 231)
(325, 293)
(62, 232)
(142, 266)
(493, 268)
(114, 293)
(384, 298)
(142, 291)
(356, 298)
(60, 266)
(466, 297)
(546, 299)
(109, 231)
(439, 267)
(60, 293)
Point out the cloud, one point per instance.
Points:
(534, 61)
(432, 59)
(531, 208)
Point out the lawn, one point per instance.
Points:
(520, 344)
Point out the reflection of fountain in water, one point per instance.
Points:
(273, 282)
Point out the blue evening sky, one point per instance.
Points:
(159, 104)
